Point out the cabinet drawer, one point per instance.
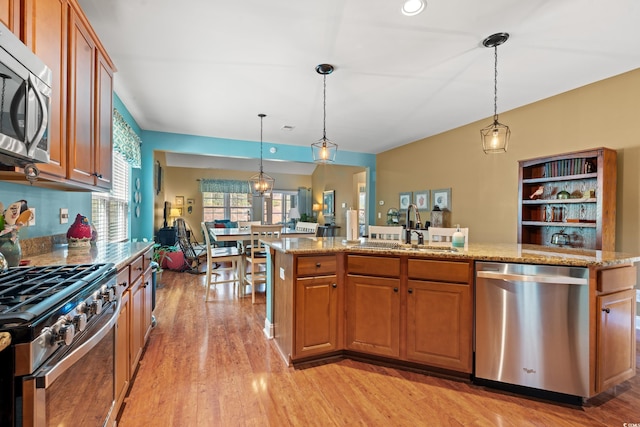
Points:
(316, 265)
(441, 271)
(373, 265)
(122, 279)
(135, 269)
(617, 279)
(147, 257)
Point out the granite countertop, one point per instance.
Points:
(499, 252)
(118, 253)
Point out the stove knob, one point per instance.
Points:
(66, 333)
(108, 294)
(96, 306)
(80, 321)
(82, 308)
(46, 338)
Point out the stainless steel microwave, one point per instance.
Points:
(25, 100)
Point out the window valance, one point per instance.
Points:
(125, 140)
(224, 186)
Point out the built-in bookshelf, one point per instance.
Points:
(571, 194)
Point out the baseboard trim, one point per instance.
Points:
(268, 329)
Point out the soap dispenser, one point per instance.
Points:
(457, 240)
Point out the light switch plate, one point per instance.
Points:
(64, 215)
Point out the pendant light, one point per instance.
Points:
(495, 137)
(261, 183)
(324, 151)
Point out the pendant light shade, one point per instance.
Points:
(495, 137)
(324, 151)
(261, 183)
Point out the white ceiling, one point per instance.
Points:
(208, 67)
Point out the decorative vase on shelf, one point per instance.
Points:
(11, 250)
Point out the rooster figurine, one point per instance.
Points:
(538, 193)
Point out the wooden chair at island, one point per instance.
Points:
(221, 256)
(444, 235)
(386, 233)
(255, 258)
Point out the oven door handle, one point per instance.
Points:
(48, 375)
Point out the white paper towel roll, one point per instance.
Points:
(352, 224)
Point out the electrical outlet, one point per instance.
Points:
(32, 221)
(64, 215)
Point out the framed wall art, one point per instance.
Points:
(405, 200)
(179, 201)
(441, 198)
(328, 202)
(422, 200)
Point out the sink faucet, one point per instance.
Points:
(417, 216)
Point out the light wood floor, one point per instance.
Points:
(209, 364)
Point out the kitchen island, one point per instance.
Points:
(413, 305)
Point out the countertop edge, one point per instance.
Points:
(496, 252)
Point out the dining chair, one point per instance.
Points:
(243, 225)
(255, 259)
(386, 233)
(445, 234)
(220, 256)
(307, 227)
(193, 252)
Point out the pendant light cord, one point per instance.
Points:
(324, 108)
(261, 118)
(495, 85)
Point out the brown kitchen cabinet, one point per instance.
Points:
(122, 370)
(307, 305)
(425, 318)
(46, 35)
(587, 216)
(373, 305)
(80, 122)
(89, 142)
(440, 314)
(615, 328)
(373, 315)
(82, 54)
(138, 328)
(147, 285)
(10, 15)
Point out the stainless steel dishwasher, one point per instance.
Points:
(532, 326)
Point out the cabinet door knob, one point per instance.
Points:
(124, 284)
(318, 264)
(97, 175)
(395, 289)
(607, 310)
(410, 290)
(335, 285)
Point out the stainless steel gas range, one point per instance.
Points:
(57, 344)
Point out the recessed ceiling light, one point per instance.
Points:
(288, 127)
(413, 7)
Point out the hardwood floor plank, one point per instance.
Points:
(209, 364)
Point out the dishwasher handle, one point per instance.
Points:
(538, 278)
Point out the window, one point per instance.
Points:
(110, 211)
(232, 206)
(276, 209)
